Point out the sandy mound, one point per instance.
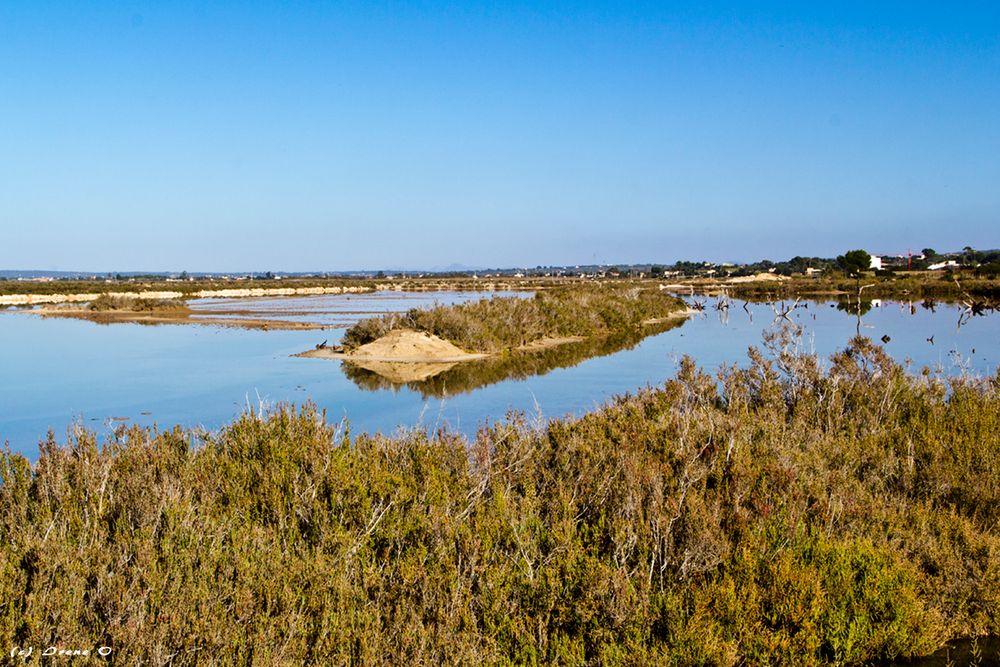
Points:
(756, 278)
(414, 346)
(402, 346)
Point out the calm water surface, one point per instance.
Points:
(57, 373)
(982, 651)
(335, 310)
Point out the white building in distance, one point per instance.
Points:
(942, 265)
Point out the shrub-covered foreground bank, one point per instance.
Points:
(794, 516)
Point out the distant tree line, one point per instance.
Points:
(985, 263)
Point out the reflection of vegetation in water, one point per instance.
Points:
(968, 308)
(854, 307)
(466, 376)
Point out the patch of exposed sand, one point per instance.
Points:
(756, 278)
(31, 299)
(400, 346)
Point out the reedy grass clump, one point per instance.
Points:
(117, 302)
(499, 324)
(775, 514)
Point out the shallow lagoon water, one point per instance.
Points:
(335, 310)
(58, 373)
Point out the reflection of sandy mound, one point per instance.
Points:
(401, 346)
(401, 372)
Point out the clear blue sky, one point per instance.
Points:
(306, 136)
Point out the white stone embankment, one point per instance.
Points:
(32, 299)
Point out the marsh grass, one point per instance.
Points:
(782, 513)
(114, 302)
(501, 324)
(903, 286)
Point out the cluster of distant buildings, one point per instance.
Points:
(883, 262)
(807, 266)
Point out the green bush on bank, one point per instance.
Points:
(776, 514)
(498, 324)
(116, 302)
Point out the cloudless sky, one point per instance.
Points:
(346, 135)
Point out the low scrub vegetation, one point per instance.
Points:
(113, 302)
(780, 514)
(498, 324)
(944, 285)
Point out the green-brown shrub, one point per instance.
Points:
(498, 324)
(777, 514)
(116, 302)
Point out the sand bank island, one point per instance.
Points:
(424, 342)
